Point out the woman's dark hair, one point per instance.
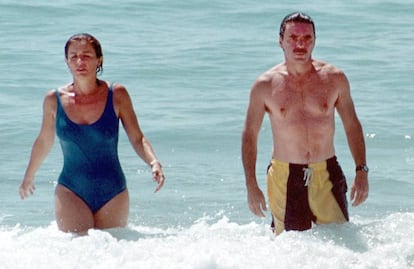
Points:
(91, 40)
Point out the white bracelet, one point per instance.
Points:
(154, 162)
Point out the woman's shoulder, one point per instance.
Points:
(116, 86)
(61, 90)
(51, 94)
(119, 90)
(121, 96)
(50, 101)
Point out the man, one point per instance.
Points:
(305, 182)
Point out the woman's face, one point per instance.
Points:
(82, 60)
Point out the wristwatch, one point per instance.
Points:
(362, 167)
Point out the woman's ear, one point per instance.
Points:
(100, 63)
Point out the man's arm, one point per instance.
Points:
(254, 118)
(355, 138)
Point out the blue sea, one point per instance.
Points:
(189, 66)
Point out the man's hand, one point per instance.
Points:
(360, 188)
(256, 200)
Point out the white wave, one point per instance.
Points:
(208, 244)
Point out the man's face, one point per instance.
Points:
(298, 41)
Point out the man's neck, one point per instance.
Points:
(298, 70)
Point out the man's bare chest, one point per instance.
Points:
(305, 101)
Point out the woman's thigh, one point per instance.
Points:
(72, 213)
(114, 213)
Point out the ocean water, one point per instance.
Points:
(189, 66)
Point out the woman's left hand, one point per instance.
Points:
(158, 175)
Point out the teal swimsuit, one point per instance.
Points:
(91, 166)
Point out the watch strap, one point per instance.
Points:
(362, 167)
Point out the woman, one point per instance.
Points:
(91, 190)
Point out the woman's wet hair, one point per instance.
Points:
(91, 40)
(295, 17)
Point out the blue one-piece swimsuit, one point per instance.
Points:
(91, 166)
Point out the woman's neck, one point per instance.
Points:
(86, 87)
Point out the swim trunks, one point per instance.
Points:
(91, 167)
(300, 194)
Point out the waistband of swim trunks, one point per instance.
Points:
(322, 165)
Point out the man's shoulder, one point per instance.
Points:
(327, 68)
(332, 74)
(272, 75)
(275, 72)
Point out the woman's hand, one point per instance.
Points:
(157, 174)
(27, 188)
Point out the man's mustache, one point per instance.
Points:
(300, 51)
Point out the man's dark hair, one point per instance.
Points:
(295, 17)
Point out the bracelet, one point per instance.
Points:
(153, 162)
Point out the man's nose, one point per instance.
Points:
(300, 43)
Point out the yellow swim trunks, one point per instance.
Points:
(300, 194)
